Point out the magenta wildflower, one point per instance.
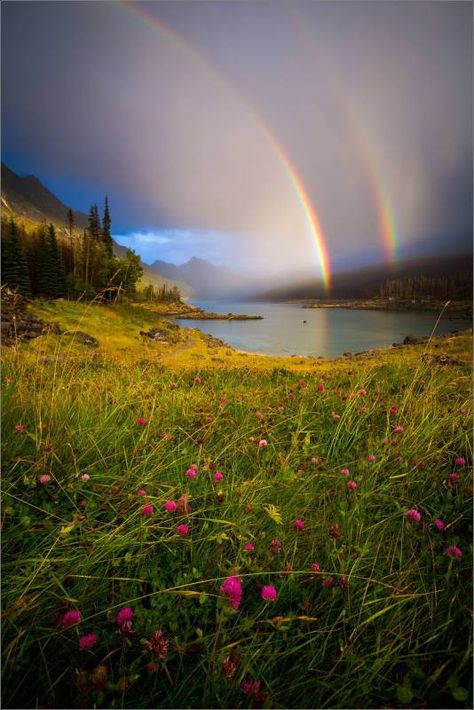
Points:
(275, 546)
(70, 618)
(371, 458)
(320, 387)
(315, 567)
(314, 459)
(453, 476)
(398, 429)
(259, 414)
(148, 510)
(85, 477)
(45, 478)
(335, 416)
(249, 546)
(182, 530)
(123, 615)
(262, 443)
(453, 551)
(462, 411)
(158, 645)
(351, 485)
(20, 428)
(183, 505)
(141, 421)
(344, 471)
(413, 515)
(170, 506)
(439, 524)
(142, 492)
(362, 392)
(87, 641)
(232, 588)
(460, 461)
(197, 380)
(173, 385)
(269, 593)
(251, 687)
(298, 525)
(393, 411)
(218, 476)
(281, 409)
(328, 582)
(191, 473)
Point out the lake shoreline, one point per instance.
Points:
(454, 310)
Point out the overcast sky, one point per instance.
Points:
(188, 118)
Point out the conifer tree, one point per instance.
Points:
(106, 228)
(14, 266)
(94, 227)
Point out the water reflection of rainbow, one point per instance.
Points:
(139, 11)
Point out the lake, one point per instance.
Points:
(328, 331)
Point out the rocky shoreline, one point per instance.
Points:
(454, 310)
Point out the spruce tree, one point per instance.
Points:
(106, 227)
(94, 227)
(14, 266)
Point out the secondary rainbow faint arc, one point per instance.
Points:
(311, 217)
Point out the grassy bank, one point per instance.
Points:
(357, 605)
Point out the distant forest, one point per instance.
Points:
(39, 262)
(456, 286)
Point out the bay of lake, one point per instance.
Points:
(327, 331)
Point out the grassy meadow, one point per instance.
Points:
(185, 525)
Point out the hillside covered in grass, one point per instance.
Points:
(185, 525)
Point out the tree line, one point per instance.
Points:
(456, 286)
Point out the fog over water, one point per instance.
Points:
(327, 332)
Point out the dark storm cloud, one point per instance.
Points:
(365, 98)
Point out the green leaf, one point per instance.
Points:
(404, 694)
(459, 693)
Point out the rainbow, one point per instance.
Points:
(319, 241)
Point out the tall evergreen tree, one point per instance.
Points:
(51, 276)
(94, 227)
(14, 266)
(106, 228)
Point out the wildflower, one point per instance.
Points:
(148, 510)
(151, 667)
(45, 478)
(453, 551)
(70, 618)
(191, 473)
(413, 515)
(439, 524)
(328, 582)
(362, 392)
(452, 477)
(251, 687)
(262, 443)
(229, 667)
(335, 416)
(281, 409)
(275, 546)
(165, 436)
(315, 567)
(393, 411)
(371, 458)
(460, 461)
(20, 428)
(123, 615)
(183, 505)
(343, 582)
(462, 411)
(232, 588)
(320, 387)
(314, 459)
(158, 645)
(197, 380)
(85, 477)
(344, 471)
(182, 530)
(259, 415)
(173, 385)
(334, 531)
(141, 421)
(87, 641)
(269, 593)
(351, 485)
(170, 506)
(142, 492)
(385, 441)
(299, 525)
(249, 546)
(126, 629)
(398, 429)
(218, 476)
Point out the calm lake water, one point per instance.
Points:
(328, 332)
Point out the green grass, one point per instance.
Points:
(393, 631)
